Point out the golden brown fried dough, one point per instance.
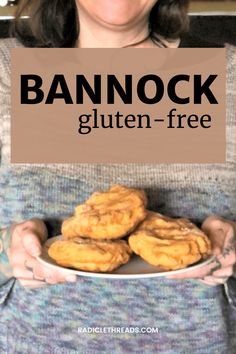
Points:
(107, 215)
(90, 255)
(169, 243)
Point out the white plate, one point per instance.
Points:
(135, 268)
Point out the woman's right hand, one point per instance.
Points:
(25, 246)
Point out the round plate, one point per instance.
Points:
(135, 268)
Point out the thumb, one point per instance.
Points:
(216, 250)
(217, 241)
(31, 243)
(214, 227)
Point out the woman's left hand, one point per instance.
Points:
(221, 232)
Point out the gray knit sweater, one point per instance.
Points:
(191, 317)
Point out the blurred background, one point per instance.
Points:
(7, 6)
(212, 20)
(213, 6)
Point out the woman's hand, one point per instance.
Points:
(222, 235)
(25, 246)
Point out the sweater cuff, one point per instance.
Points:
(5, 267)
(230, 291)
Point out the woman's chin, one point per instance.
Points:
(119, 22)
(117, 13)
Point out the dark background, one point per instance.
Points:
(215, 29)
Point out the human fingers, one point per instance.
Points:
(26, 277)
(29, 234)
(35, 225)
(31, 243)
(220, 267)
(227, 257)
(218, 277)
(198, 272)
(25, 247)
(218, 230)
(33, 274)
(213, 281)
(50, 276)
(32, 284)
(224, 272)
(20, 271)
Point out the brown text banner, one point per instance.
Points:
(118, 105)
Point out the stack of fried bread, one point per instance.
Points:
(92, 237)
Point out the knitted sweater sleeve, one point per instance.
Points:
(5, 267)
(5, 234)
(5, 52)
(1, 99)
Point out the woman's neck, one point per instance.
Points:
(93, 35)
(98, 35)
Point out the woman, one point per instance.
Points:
(188, 313)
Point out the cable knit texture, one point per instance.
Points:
(192, 318)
